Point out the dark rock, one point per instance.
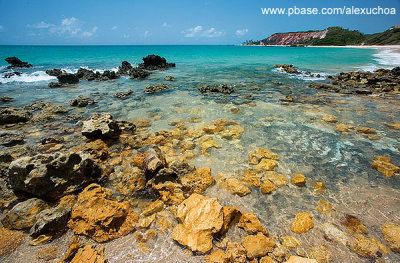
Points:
(125, 68)
(81, 101)
(101, 127)
(9, 139)
(52, 140)
(155, 62)
(51, 176)
(55, 85)
(109, 75)
(11, 74)
(6, 99)
(51, 221)
(289, 69)
(154, 161)
(14, 115)
(54, 72)
(47, 110)
(169, 78)
(126, 126)
(181, 168)
(86, 74)
(138, 73)
(288, 99)
(67, 78)
(225, 89)
(124, 94)
(17, 63)
(164, 175)
(155, 88)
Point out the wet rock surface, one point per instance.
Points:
(17, 63)
(156, 88)
(14, 115)
(82, 101)
(101, 127)
(224, 89)
(155, 62)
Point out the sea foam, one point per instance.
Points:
(28, 77)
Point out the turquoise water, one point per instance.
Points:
(304, 142)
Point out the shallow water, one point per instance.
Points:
(304, 142)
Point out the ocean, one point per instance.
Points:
(305, 143)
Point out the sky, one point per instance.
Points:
(170, 22)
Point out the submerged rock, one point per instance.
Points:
(50, 176)
(155, 62)
(82, 101)
(383, 165)
(234, 186)
(55, 72)
(155, 88)
(124, 94)
(99, 217)
(251, 224)
(14, 115)
(391, 233)
(287, 68)
(225, 89)
(298, 180)
(101, 127)
(17, 63)
(67, 78)
(199, 218)
(24, 214)
(89, 254)
(6, 99)
(169, 78)
(10, 240)
(302, 223)
(367, 247)
(10, 139)
(258, 245)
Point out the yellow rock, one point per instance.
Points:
(217, 256)
(260, 153)
(208, 143)
(232, 215)
(144, 123)
(199, 219)
(258, 245)
(234, 186)
(89, 254)
(154, 207)
(297, 259)
(235, 132)
(344, 127)
(302, 223)
(354, 225)
(330, 118)
(391, 232)
(236, 252)
(194, 133)
(251, 224)
(365, 247)
(267, 187)
(323, 206)
(321, 254)
(277, 179)
(366, 130)
(198, 181)
(267, 165)
(382, 164)
(266, 259)
(10, 240)
(290, 242)
(48, 253)
(319, 188)
(252, 177)
(298, 179)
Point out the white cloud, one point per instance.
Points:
(199, 32)
(69, 27)
(147, 34)
(1, 28)
(165, 24)
(241, 32)
(90, 33)
(114, 28)
(41, 25)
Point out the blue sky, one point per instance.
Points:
(72, 22)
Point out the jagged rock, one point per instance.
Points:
(198, 181)
(199, 219)
(154, 161)
(81, 101)
(217, 256)
(99, 217)
(298, 179)
(383, 165)
(9, 139)
(302, 223)
(125, 68)
(24, 214)
(234, 186)
(367, 247)
(55, 72)
(323, 206)
(124, 94)
(319, 188)
(236, 252)
(47, 110)
(17, 63)
(154, 207)
(224, 89)
(6, 99)
(155, 62)
(155, 88)
(321, 254)
(169, 78)
(50, 221)
(297, 259)
(101, 127)
(12, 74)
(330, 118)
(67, 78)
(258, 245)
(50, 176)
(48, 253)
(287, 68)
(14, 115)
(89, 254)
(250, 223)
(391, 233)
(138, 73)
(90, 75)
(354, 225)
(290, 242)
(267, 187)
(260, 153)
(10, 240)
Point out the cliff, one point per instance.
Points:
(287, 39)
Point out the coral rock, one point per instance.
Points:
(297, 259)
(236, 252)
(89, 254)
(234, 186)
(267, 187)
(251, 224)
(298, 179)
(302, 223)
(321, 254)
(391, 232)
(319, 188)
(260, 153)
(258, 245)
(267, 165)
(290, 242)
(217, 256)
(382, 164)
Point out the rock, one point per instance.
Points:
(391, 233)
(14, 115)
(51, 176)
(143, 123)
(267, 187)
(323, 206)
(54, 72)
(288, 99)
(40, 240)
(10, 139)
(260, 153)
(224, 89)
(278, 180)
(234, 186)
(290, 242)
(366, 130)
(251, 224)
(302, 223)
(217, 256)
(236, 252)
(124, 94)
(154, 161)
(17, 63)
(197, 181)
(330, 119)
(55, 85)
(267, 165)
(81, 101)
(344, 127)
(138, 73)
(297, 259)
(321, 254)
(50, 221)
(319, 188)
(24, 214)
(258, 245)
(155, 62)
(199, 219)
(11, 74)
(125, 68)
(382, 164)
(97, 76)
(101, 127)
(99, 217)
(365, 247)
(231, 217)
(206, 143)
(354, 225)
(298, 180)
(154, 207)
(10, 240)
(48, 253)
(155, 88)
(287, 68)
(6, 99)
(67, 78)
(89, 254)
(331, 232)
(169, 78)
(266, 259)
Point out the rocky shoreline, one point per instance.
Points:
(102, 178)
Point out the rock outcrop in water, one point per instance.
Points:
(224, 89)
(155, 62)
(51, 176)
(14, 115)
(17, 63)
(55, 72)
(101, 127)
(81, 101)
(155, 88)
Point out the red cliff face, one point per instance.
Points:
(286, 39)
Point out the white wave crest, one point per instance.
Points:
(388, 57)
(28, 77)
